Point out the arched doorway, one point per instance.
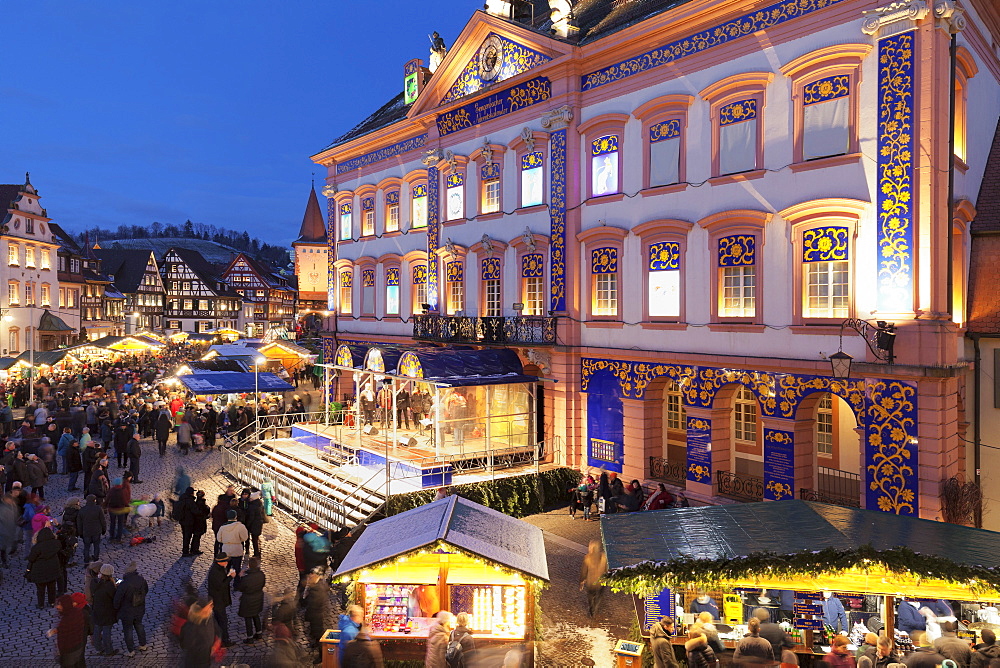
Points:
(829, 444)
(666, 447)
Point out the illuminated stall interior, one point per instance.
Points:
(452, 555)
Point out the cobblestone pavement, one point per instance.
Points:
(23, 627)
(569, 634)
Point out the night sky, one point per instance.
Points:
(131, 112)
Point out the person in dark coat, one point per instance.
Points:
(74, 464)
(317, 599)
(219, 577)
(104, 612)
(198, 635)
(89, 458)
(134, 453)
(91, 524)
(753, 649)
(219, 512)
(923, 655)
(363, 651)
(463, 635)
(661, 635)
(123, 434)
(130, 601)
(185, 512)
(44, 565)
(986, 651)
(773, 633)
(251, 586)
(211, 428)
(201, 515)
(699, 654)
(950, 646)
(253, 509)
(71, 634)
(162, 428)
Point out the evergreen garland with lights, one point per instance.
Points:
(649, 576)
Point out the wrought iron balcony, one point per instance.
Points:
(739, 487)
(499, 330)
(668, 471)
(827, 497)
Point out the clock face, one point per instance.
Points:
(489, 59)
(455, 204)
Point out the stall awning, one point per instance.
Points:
(46, 357)
(458, 522)
(230, 382)
(787, 544)
(276, 348)
(52, 323)
(458, 368)
(229, 350)
(7, 362)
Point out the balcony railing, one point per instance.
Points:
(832, 499)
(668, 471)
(499, 330)
(739, 487)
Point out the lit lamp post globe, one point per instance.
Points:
(841, 364)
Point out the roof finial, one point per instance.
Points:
(27, 178)
(313, 181)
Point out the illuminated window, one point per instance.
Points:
(62, 297)
(532, 178)
(490, 178)
(738, 276)
(455, 196)
(346, 288)
(392, 211)
(455, 281)
(604, 281)
(491, 287)
(824, 427)
(533, 283)
(12, 255)
(29, 257)
(46, 261)
(188, 304)
(604, 165)
(827, 270)
(664, 276)
(46, 294)
(664, 152)
(676, 413)
(13, 293)
(738, 129)
(346, 222)
(367, 291)
(29, 293)
(12, 339)
(419, 278)
(826, 117)
(418, 206)
(745, 416)
(392, 291)
(203, 305)
(368, 216)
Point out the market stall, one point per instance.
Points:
(453, 555)
(289, 355)
(732, 559)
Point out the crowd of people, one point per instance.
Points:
(608, 494)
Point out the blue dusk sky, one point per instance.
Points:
(131, 112)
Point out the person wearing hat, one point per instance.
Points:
(231, 536)
(105, 615)
(219, 577)
(130, 601)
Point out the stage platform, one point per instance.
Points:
(419, 465)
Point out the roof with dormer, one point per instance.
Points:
(313, 229)
(127, 265)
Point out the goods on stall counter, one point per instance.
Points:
(903, 642)
(387, 608)
(498, 610)
(857, 634)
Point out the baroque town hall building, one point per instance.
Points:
(688, 215)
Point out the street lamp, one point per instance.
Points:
(880, 338)
(841, 363)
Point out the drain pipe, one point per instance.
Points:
(977, 361)
(951, 180)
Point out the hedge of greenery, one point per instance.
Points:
(518, 496)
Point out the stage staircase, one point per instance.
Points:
(323, 486)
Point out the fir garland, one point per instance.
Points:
(683, 572)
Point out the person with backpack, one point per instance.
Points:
(437, 640)
(461, 645)
(130, 602)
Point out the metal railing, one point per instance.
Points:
(739, 487)
(500, 330)
(667, 471)
(838, 484)
(288, 492)
(833, 499)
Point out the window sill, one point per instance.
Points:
(605, 324)
(604, 199)
(825, 328)
(535, 208)
(823, 163)
(736, 178)
(496, 215)
(745, 327)
(394, 233)
(672, 326)
(452, 223)
(366, 237)
(663, 190)
(961, 165)
(417, 229)
(368, 318)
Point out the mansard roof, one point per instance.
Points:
(127, 265)
(313, 228)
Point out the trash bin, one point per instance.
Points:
(628, 654)
(329, 644)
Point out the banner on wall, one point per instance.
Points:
(779, 464)
(650, 608)
(699, 450)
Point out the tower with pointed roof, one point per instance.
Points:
(311, 258)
